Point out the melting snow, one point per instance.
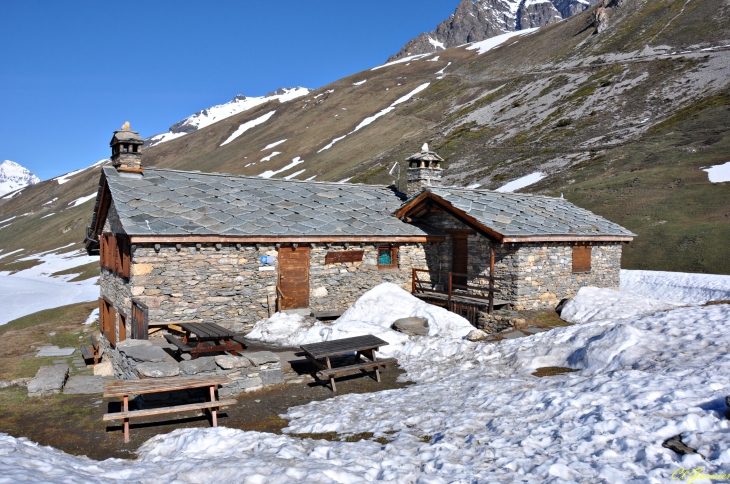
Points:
(248, 125)
(492, 42)
(522, 182)
(11, 253)
(65, 178)
(270, 156)
(596, 304)
(296, 173)
(442, 70)
(48, 202)
(269, 173)
(399, 61)
(360, 83)
(718, 173)
(436, 43)
(81, 200)
(276, 143)
(433, 60)
(13, 194)
(677, 286)
(375, 116)
(7, 219)
(45, 216)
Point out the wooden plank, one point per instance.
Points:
(460, 259)
(163, 410)
(343, 346)
(343, 256)
(293, 277)
(296, 239)
(360, 366)
(180, 345)
(118, 388)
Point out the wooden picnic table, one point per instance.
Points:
(222, 338)
(320, 353)
(128, 388)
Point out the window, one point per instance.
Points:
(387, 257)
(581, 258)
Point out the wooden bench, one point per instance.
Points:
(127, 388)
(181, 347)
(360, 345)
(91, 352)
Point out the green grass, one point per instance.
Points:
(18, 266)
(691, 112)
(73, 313)
(86, 271)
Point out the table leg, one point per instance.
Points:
(213, 411)
(332, 378)
(377, 369)
(125, 408)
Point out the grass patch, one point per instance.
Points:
(71, 314)
(335, 437)
(557, 83)
(552, 371)
(22, 265)
(691, 112)
(564, 122)
(86, 271)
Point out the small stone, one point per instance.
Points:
(476, 335)
(48, 380)
(262, 357)
(228, 362)
(104, 369)
(198, 365)
(157, 370)
(320, 292)
(411, 326)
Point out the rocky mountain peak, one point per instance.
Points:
(476, 20)
(14, 176)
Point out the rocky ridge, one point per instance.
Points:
(14, 176)
(478, 20)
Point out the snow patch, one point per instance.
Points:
(596, 304)
(248, 125)
(296, 173)
(436, 44)
(360, 83)
(65, 178)
(81, 200)
(522, 182)
(48, 202)
(270, 156)
(276, 143)
(718, 173)
(486, 45)
(400, 61)
(677, 286)
(269, 173)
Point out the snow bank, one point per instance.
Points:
(718, 173)
(522, 182)
(486, 45)
(677, 286)
(248, 125)
(374, 313)
(294, 162)
(596, 303)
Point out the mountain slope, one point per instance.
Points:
(478, 20)
(620, 122)
(13, 177)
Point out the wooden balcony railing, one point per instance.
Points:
(455, 284)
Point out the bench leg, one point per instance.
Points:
(377, 374)
(213, 411)
(332, 382)
(125, 408)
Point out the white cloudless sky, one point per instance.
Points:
(72, 72)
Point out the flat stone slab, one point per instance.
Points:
(54, 351)
(513, 335)
(228, 362)
(48, 380)
(84, 385)
(145, 354)
(157, 370)
(198, 365)
(533, 330)
(262, 357)
(411, 326)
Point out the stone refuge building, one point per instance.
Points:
(184, 246)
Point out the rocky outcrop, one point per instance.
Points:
(474, 21)
(48, 380)
(411, 326)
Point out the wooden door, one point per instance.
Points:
(459, 259)
(293, 281)
(140, 322)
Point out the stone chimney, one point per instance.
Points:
(424, 169)
(127, 150)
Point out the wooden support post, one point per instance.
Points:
(125, 408)
(491, 277)
(213, 411)
(451, 277)
(413, 282)
(332, 378)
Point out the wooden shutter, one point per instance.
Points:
(108, 320)
(122, 327)
(581, 258)
(341, 256)
(140, 320)
(102, 258)
(124, 251)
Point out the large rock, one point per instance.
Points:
(476, 335)
(157, 370)
(48, 380)
(198, 365)
(84, 385)
(104, 368)
(411, 326)
(144, 353)
(262, 358)
(229, 362)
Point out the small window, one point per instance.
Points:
(387, 257)
(581, 258)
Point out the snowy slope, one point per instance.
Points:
(206, 117)
(474, 414)
(13, 176)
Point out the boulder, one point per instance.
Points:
(48, 380)
(476, 335)
(228, 362)
(198, 365)
(262, 357)
(157, 370)
(411, 326)
(144, 354)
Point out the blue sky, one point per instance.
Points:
(72, 72)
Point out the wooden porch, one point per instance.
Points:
(453, 291)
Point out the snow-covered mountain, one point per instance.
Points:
(476, 20)
(206, 117)
(14, 176)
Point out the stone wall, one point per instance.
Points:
(545, 275)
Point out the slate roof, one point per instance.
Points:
(173, 203)
(524, 215)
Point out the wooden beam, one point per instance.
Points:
(569, 238)
(103, 207)
(167, 239)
